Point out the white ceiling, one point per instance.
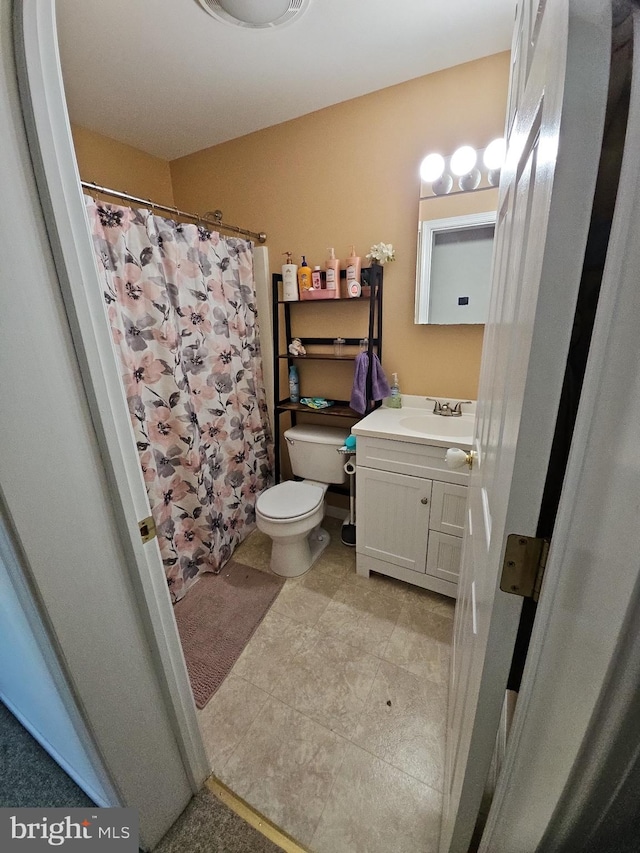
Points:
(165, 76)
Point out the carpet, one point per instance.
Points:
(29, 777)
(217, 618)
(208, 826)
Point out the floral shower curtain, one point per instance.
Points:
(181, 305)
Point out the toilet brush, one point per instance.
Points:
(348, 534)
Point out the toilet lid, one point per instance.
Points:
(290, 499)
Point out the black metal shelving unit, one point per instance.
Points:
(370, 277)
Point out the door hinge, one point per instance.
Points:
(525, 559)
(147, 529)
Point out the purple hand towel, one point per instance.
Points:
(379, 385)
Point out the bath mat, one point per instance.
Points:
(217, 618)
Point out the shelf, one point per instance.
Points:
(341, 409)
(324, 301)
(328, 342)
(285, 321)
(316, 355)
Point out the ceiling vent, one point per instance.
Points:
(255, 14)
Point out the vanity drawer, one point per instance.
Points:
(406, 457)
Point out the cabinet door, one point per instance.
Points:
(448, 508)
(393, 517)
(443, 556)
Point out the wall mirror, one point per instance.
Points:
(454, 269)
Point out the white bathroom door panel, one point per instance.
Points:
(542, 226)
(558, 775)
(58, 181)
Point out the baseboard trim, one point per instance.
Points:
(335, 512)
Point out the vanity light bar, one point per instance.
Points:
(467, 167)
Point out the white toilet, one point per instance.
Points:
(291, 512)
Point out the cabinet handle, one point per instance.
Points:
(424, 501)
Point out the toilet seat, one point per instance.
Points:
(290, 500)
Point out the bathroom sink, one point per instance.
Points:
(429, 424)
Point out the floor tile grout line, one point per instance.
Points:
(375, 755)
(316, 723)
(244, 733)
(439, 792)
(347, 738)
(335, 779)
(395, 767)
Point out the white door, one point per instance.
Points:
(50, 144)
(555, 124)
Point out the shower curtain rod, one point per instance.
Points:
(215, 214)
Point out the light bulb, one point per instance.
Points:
(463, 160)
(494, 154)
(431, 168)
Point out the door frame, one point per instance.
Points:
(58, 181)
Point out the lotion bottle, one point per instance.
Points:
(289, 280)
(352, 265)
(304, 278)
(332, 267)
(294, 384)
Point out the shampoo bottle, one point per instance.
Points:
(395, 400)
(289, 280)
(352, 266)
(304, 278)
(332, 266)
(294, 384)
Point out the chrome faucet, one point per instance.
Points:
(447, 410)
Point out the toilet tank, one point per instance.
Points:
(313, 452)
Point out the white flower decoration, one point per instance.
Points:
(381, 253)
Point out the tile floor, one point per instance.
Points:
(332, 721)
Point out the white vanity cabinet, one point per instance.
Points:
(410, 513)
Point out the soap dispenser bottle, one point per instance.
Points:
(304, 279)
(332, 267)
(353, 274)
(289, 280)
(395, 400)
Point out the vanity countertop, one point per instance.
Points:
(415, 422)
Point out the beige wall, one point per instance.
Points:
(113, 164)
(349, 174)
